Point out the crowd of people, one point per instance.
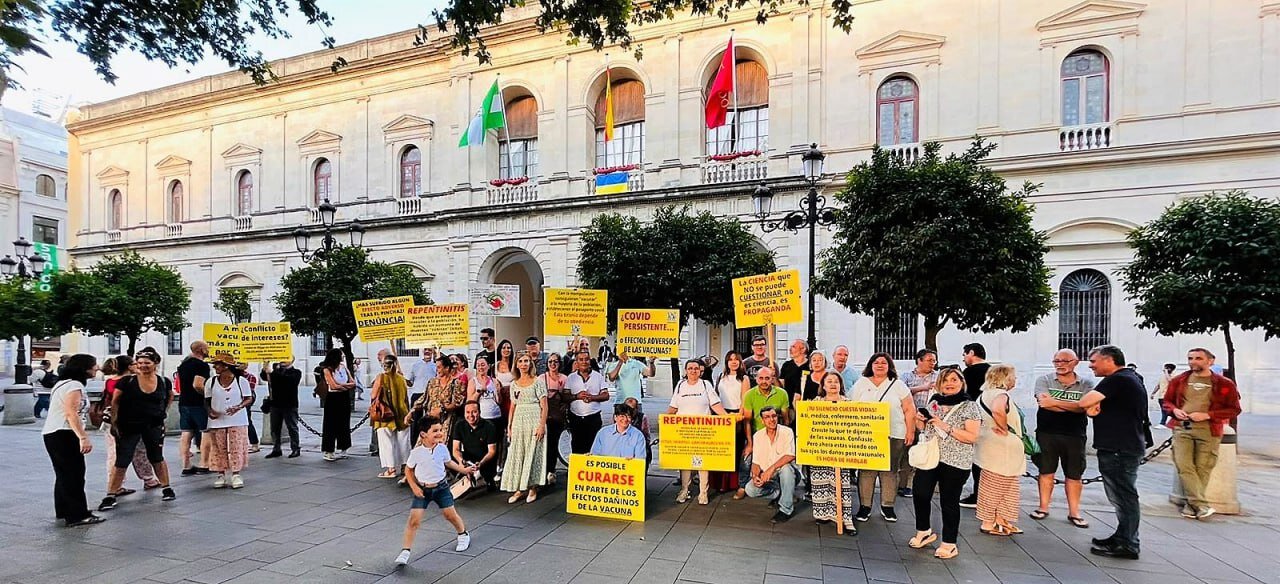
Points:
(447, 425)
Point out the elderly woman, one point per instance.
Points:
(953, 421)
(999, 454)
(391, 389)
(138, 406)
(66, 441)
(228, 397)
(823, 479)
(694, 397)
(444, 398)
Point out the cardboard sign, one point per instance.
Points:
(767, 299)
(649, 333)
(843, 434)
(697, 442)
(495, 300)
(606, 486)
(381, 319)
(223, 338)
(265, 341)
(438, 325)
(575, 311)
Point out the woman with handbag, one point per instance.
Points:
(388, 410)
(1000, 454)
(822, 479)
(444, 398)
(335, 434)
(880, 383)
(943, 459)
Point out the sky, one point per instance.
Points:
(70, 75)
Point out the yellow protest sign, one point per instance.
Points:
(649, 333)
(266, 341)
(222, 338)
(767, 299)
(439, 325)
(843, 434)
(575, 311)
(697, 442)
(606, 486)
(381, 319)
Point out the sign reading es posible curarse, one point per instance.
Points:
(649, 333)
(381, 319)
(441, 325)
(606, 486)
(697, 442)
(575, 311)
(767, 299)
(842, 434)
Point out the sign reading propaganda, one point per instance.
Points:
(266, 341)
(575, 311)
(767, 299)
(842, 434)
(495, 300)
(649, 333)
(697, 442)
(440, 325)
(381, 319)
(606, 486)
(223, 338)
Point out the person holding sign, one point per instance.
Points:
(766, 394)
(880, 383)
(694, 397)
(1000, 454)
(772, 468)
(953, 420)
(731, 386)
(621, 439)
(822, 479)
(527, 430)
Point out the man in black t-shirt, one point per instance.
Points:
(282, 384)
(193, 419)
(1118, 404)
(759, 358)
(975, 374)
(794, 370)
(475, 443)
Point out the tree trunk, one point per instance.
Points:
(1231, 352)
(133, 342)
(932, 324)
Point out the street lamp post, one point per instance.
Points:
(812, 212)
(328, 243)
(24, 266)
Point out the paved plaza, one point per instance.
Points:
(305, 520)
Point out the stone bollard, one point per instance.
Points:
(265, 437)
(1221, 490)
(19, 401)
(172, 419)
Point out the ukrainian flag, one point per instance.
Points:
(612, 183)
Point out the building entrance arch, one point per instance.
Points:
(515, 266)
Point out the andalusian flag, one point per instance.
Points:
(491, 116)
(608, 103)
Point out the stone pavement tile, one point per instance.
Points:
(331, 575)
(805, 563)
(679, 542)
(780, 579)
(1014, 565)
(285, 535)
(650, 530)
(428, 568)
(225, 572)
(1198, 563)
(137, 568)
(585, 533)
(544, 564)
(753, 539)
(658, 571)
(482, 538)
(521, 515)
(530, 534)
(885, 570)
(1080, 571)
(1144, 577)
(346, 520)
(185, 569)
(843, 575)
(591, 578)
(480, 567)
(1015, 578)
(970, 568)
(719, 564)
(622, 558)
(323, 535)
(274, 552)
(842, 557)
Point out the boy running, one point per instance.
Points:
(425, 473)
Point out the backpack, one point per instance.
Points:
(49, 380)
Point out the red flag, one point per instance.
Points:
(721, 95)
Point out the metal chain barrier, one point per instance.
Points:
(1145, 459)
(303, 421)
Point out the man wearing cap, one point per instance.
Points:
(620, 438)
(534, 348)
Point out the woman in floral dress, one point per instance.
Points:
(527, 429)
(444, 397)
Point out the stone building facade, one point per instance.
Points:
(1119, 108)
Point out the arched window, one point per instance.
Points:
(410, 172)
(1085, 88)
(244, 190)
(518, 155)
(746, 128)
(115, 211)
(45, 186)
(627, 145)
(1084, 311)
(323, 175)
(897, 112)
(175, 202)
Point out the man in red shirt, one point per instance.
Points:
(1200, 402)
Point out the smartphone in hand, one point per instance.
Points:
(928, 415)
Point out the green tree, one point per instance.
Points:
(317, 298)
(124, 294)
(24, 311)
(234, 302)
(940, 237)
(1207, 264)
(679, 260)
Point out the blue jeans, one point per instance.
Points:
(42, 404)
(784, 482)
(1120, 481)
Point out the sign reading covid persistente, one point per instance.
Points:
(649, 333)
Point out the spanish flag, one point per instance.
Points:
(608, 102)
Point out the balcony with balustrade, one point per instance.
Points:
(751, 166)
(1087, 137)
(635, 177)
(522, 189)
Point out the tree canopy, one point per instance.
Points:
(942, 237)
(124, 294)
(1207, 264)
(24, 311)
(234, 302)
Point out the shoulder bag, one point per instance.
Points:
(1029, 445)
(927, 454)
(380, 410)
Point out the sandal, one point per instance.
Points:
(389, 474)
(514, 497)
(946, 552)
(1078, 522)
(920, 541)
(122, 492)
(999, 531)
(1038, 514)
(1011, 529)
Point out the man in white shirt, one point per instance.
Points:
(422, 372)
(772, 470)
(588, 389)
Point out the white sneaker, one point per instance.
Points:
(1205, 512)
(342, 454)
(464, 542)
(221, 482)
(237, 482)
(255, 448)
(683, 497)
(329, 457)
(403, 558)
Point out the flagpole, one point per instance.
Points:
(733, 76)
(502, 103)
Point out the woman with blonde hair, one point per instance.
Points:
(527, 429)
(392, 390)
(954, 421)
(999, 453)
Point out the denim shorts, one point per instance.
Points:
(440, 494)
(193, 419)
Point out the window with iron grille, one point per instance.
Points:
(319, 344)
(1084, 311)
(402, 351)
(113, 344)
(896, 334)
(175, 343)
(742, 339)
